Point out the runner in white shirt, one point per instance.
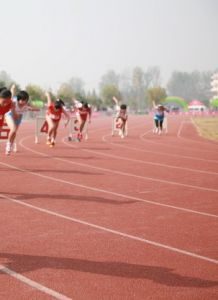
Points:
(14, 118)
(121, 117)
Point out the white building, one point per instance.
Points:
(196, 106)
(214, 84)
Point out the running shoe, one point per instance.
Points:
(79, 137)
(52, 144)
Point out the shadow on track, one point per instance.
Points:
(165, 276)
(23, 197)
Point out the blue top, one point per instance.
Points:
(159, 114)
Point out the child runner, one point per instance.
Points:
(14, 118)
(53, 117)
(6, 103)
(83, 112)
(121, 117)
(159, 117)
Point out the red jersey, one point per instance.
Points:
(4, 110)
(83, 112)
(54, 114)
(122, 114)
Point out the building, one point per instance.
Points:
(196, 106)
(214, 84)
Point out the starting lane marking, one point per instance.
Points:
(102, 190)
(33, 284)
(146, 162)
(123, 234)
(156, 152)
(119, 172)
(180, 129)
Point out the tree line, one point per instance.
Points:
(137, 88)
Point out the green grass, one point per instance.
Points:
(207, 127)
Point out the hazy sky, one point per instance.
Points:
(48, 41)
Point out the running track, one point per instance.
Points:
(110, 218)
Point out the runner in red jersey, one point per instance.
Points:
(6, 104)
(53, 117)
(83, 112)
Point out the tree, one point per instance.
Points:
(156, 94)
(194, 85)
(66, 93)
(77, 85)
(137, 78)
(125, 81)
(179, 85)
(152, 77)
(214, 103)
(204, 87)
(35, 92)
(108, 92)
(176, 101)
(93, 99)
(5, 79)
(138, 88)
(2, 84)
(109, 87)
(109, 78)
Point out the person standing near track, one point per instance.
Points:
(14, 117)
(53, 117)
(159, 117)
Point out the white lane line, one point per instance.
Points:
(144, 192)
(119, 172)
(197, 128)
(170, 146)
(180, 129)
(143, 161)
(109, 192)
(106, 229)
(205, 142)
(158, 164)
(182, 138)
(139, 161)
(33, 284)
(156, 152)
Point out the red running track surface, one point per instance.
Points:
(110, 218)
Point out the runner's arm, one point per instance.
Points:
(90, 114)
(115, 100)
(48, 96)
(13, 90)
(67, 117)
(154, 104)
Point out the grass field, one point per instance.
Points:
(207, 127)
